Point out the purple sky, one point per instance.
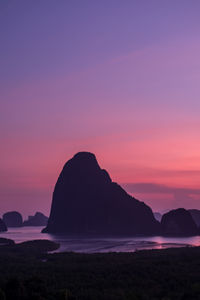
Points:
(117, 78)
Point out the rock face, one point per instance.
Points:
(157, 216)
(38, 219)
(195, 213)
(178, 222)
(86, 201)
(12, 219)
(2, 226)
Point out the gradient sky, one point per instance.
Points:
(117, 78)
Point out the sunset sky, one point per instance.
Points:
(117, 78)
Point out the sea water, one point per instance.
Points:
(99, 244)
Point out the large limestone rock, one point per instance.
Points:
(86, 201)
(2, 226)
(13, 219)
(178, 222)
(39, 219)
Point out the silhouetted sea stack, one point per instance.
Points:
(178, 222)
(86, 201)
(13, 219)
(2, 226)
(38, 219)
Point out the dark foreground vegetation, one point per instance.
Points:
(27, 272)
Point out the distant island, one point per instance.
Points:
(178, 222)
(15, 219)
(38, 219)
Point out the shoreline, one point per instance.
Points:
(171, 273)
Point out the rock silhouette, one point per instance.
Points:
(86, 201)
(2, 226)
(157, 216)
(195, 213)
(13, 219)
(38, 219)
(178, 222)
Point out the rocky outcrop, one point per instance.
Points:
(38, 219)
(195, 213)
(86, 201)
(2, 226)
(178, 222)
(157, 216)
(13, 219)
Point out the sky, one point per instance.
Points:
(116, 78)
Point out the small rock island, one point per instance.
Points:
(39, 219)
(178, 222)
